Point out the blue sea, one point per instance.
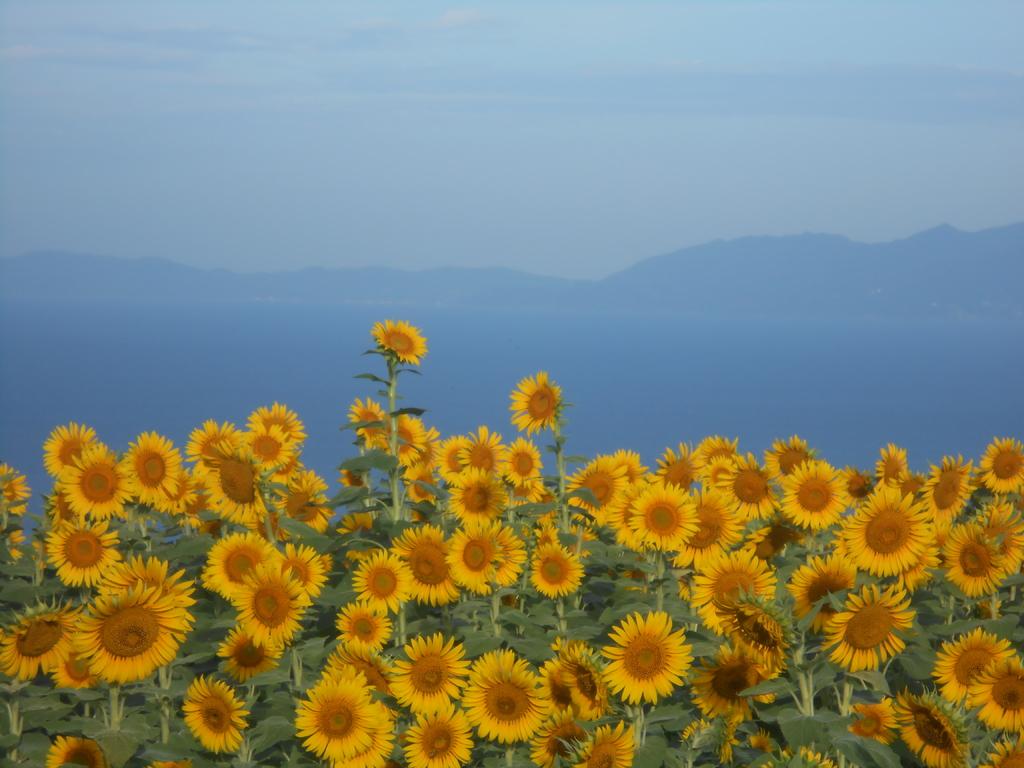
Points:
(639, 382)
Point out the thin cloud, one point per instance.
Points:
(460, 18)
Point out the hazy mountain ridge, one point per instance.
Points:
(942, 272)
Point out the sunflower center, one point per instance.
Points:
(428, 563)
(336, 718)
(476, 555)
(523, 463)
(556, 745)
(399, 342)
(730, 680)
(39, 637)
(83, 549)
(363, 628)
(383, 582)
(542, 403)
(970, 664)
(506, 701)
(237, 480)
(437, 740)
(893, 468)
(298, 570)
(98, 483)
(151, 468)
(814, 495)
(791, 458)
(553, 569)
(868, 725)
(76, 668)
(947, 490)
(644, 658)
(749, 486)
(602, 756)
(585, 681)
(1007, 464)
(266, 447)
(477, 499)
(69, 450)
(888, 531)
(82, 755)
(679, 473)
(709, 530)
(662, 518)
(129, 632)
(271, 605)
(238, 563)
(297, 506)
(869, 627)
(932, 730)
(249, 654)
(858, 486)
(481, 457)
(216, 714)
(825, 584)
(601, 486)
(761, 631)
(427, 674)
(731, 583)
(975, 559)
(1008, 692)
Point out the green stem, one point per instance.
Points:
(116, 708)
(846, 699)
(563, 507)
(562, 625)
(495, 611)
(659, 578)
(401, 625)
(296, 669)
(510, 756)
(14, 716)
(396, 486)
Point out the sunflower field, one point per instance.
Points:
(480, 600)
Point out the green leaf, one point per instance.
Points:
(118, 746)
(802, 731)
(370, 460)
(872, 678)
(652, 753)
(270, 732)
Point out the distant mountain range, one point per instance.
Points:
(942, 272)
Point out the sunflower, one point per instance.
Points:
(762, 741)
(58, 507)
(582, 677)
(376, 670)
(522, 464)
(912, 483)
(359, 624)
(931, 730)
(449, 457)
(648, 660)
(73, 672)
(94, 484)
(972, 560)
(785, 456)
(718, 685)
(306, 566)
(948, 488)
(556, 572)
(439, 739)
(425, 551)
(412, 438)
(609, 747)
(472, 556)
(371, 414)
(73, 750)
(552, 739)
(281, 416)
(400, 339)
(958, 663)
(210, 440)
(664, 517)
(606, 480)
(715, 447)
(679, 466)
(914, 578)
(536, 403)
(891, 467)
(478, 495)
(382, 740)
(270, 604)
(231, 558)
(433, 675)
(336, 716)
(756, 625)
(482, 450)
(124, 637)
(214, 714)
(81, 552)
(748, 487)
(998, 693)
(149, 572)
(510, 557)
(1002, 465)
(503, 698)
(813, 495)
(14, 490)
(383, 581)
(151, 467)
(722, 580)
(244, 658)
(814, 580)
(1008, 753)
(770, 540)
(304, 499)
(1004, 526)
(868, 630)
(889, 533)
(65, 444)
(857, 483)
(271, 448)
(718, 529)
(39, 642)
(234, 485)
(875, 721)
(636, 472)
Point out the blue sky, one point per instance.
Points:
(569, 138)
